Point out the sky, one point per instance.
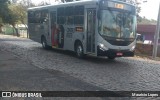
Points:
(149, 9)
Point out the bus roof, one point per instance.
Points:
(66, 4)
(82, 2)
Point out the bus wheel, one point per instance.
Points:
(111, 57)
(79, 50)
(44, 43)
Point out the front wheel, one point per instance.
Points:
(79, 50)
(111, 57)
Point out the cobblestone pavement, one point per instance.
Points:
(18, 75)
(124, 74)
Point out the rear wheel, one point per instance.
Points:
(79, 50)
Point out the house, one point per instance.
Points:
(146, 35)
(146, 31)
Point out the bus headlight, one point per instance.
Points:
(102, 47)
(133, 47)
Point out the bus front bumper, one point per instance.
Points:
(115, 53)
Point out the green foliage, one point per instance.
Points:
(11, 17)
(12, 13)
(1, 20)
(3, 8)
(146, 21)
(21, 13)
(26, 3)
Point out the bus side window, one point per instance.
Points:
(61, 19)
(79, 15)
(30, 17)
(44, 16)
(37, 17)
(69, 12)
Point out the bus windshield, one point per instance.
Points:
(117, 24)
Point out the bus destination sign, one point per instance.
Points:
(120, 6)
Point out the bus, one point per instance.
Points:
(91, 27)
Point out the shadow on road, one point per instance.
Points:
(92, 59)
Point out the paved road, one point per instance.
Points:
(18, 75)
(126, 74)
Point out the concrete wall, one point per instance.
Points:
(146, 49)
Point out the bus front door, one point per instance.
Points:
(91, 19)
(54, 30)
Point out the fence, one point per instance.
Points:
(8, 30)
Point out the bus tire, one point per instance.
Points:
(79, 50)
(111, 57)
(44, 43)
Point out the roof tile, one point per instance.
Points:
(146, 28)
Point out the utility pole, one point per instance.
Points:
(156, 36)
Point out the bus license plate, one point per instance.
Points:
(119, 54)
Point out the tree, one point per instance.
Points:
(21, 13)
(26, 3)
(12, 13)
(14, 1)
(43, 3)
(138, 9)
(11, 17)
(22, 7)
(3, 9)
(1, 24)
(3, 5)
(139, 18)
(147, 21)
(69, 0)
